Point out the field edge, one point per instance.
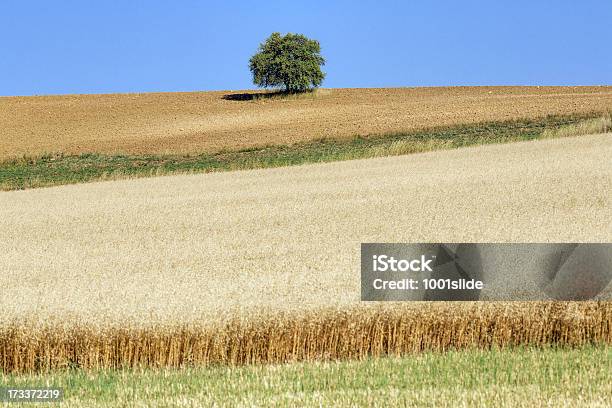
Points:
(318, 335)
(520, 376)
(59, 169)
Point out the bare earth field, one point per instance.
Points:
(199, 122)
(184, 248)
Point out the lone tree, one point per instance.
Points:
(292, 62)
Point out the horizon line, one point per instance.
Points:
(256, 90)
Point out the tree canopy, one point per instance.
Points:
(292, 62)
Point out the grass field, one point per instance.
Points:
(519, 377)
(212, 248)
(209, 122)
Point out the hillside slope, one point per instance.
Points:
(199, 122)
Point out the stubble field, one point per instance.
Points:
(517, 378)
(207, 122)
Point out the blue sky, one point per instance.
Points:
(57, 47)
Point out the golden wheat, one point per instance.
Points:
(206, 122)
(262, 266)
(352, 333)
(170, 248)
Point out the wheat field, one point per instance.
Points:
(263, 265)
(198, 122)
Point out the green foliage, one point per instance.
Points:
(292, 62)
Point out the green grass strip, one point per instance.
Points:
(516, 377)
(50, 170)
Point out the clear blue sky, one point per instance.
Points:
(51, 47)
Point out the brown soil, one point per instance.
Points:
(211, 121)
